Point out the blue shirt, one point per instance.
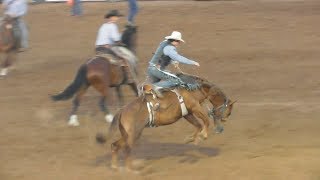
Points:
(108, 34)
(167, 49)
(171, 51)
(15, 8)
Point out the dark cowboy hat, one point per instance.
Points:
(113, 12)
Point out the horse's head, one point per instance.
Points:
(222, 111)
(129, 37)
(221, 105)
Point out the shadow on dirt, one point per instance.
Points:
(154, 151)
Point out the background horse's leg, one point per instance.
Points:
(134, 88)
(11, 57)
(102, 86)
(120, 95)
(194, 137)
(73, 120)
(104, 108)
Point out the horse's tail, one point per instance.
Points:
(78, 82)
(102, 138)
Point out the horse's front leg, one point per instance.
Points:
(194, 136)
(103, 107)
(200, 113)
(73, 120)
(11, 57)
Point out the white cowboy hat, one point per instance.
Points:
(175, 35)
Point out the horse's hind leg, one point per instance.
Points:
(73, 120)
(122, 143)
(115, 147)
(120, 95)
(130, 132)
(194, 137)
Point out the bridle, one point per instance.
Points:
(222, 108)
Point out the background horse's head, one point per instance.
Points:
(129, 37)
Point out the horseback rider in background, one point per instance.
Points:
(109, 40)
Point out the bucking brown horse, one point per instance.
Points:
(101, 72)
(174, 105)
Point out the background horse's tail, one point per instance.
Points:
(102, 138)
(78, 82)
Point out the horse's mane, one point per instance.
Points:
(127, 34)
(193, 82)
(196, 82)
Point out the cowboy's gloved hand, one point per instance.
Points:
(176, 64)
(197, 64)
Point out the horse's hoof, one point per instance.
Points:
(203, 135)
(196, 142)
(3, 72)
(114, 167)
(219, 129)
(109, 118)
(73, 121)
(188, 140)
(130, 170)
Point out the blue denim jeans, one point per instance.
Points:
(133, 10)
(168, 80)
(76, 9)
(24, 33)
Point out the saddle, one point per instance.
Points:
(111, 58)
(118, 60)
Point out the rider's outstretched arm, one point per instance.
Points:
(173, 54)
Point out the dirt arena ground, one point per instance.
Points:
(263, 53)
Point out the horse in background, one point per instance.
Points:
(135, 116)
(101, 72)
(9, 44)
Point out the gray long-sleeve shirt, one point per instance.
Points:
(165, 48)
(171, 51)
